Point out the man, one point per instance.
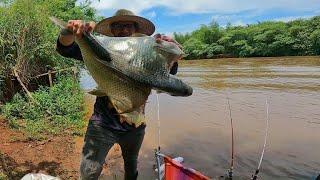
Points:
(106, 127)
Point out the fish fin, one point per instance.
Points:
(120, 104)
(129, 110)
(97, 92)
(97, 47)
(138, 35)
(58, 22)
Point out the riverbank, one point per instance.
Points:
(296, 58)
(57, 156)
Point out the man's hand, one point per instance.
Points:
(174, 60)
(160, 38)
(77, 27)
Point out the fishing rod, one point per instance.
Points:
(255, 175)
(230, 171)
(157, 151)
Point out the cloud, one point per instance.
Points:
(207, 6)
(228, 17)
(233, 18)
(291, 18)
(151, 14)
(238, 23)
(317, 11)
(136, 6)
(237, 19)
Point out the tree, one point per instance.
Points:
(315, 40)
(213, 49)
(181, 38)
(194, 48)
(28, 37)
(298, 37)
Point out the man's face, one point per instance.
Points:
(123, 28)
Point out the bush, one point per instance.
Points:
(194, 48)
(214, 49)
(54, 110)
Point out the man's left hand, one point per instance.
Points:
(161, 37)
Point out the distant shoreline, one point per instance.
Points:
(259, 57)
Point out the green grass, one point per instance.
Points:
(3, 176)
(56, 110)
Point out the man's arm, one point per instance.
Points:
(71, 51)
(66, 45)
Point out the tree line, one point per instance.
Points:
(28, 38)
(299, 37)
(27, 34)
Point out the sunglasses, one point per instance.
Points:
(122, 26)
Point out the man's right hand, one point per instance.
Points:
(77, 27)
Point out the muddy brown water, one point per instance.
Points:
(198, 127)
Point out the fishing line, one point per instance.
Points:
(157, 151)
(230, 171)
(158, 106)
(158, 117)
(255, 176)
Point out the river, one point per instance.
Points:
(198, 127)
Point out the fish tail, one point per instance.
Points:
(58, 22)
(101, 52)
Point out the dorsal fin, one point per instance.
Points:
(96, 47)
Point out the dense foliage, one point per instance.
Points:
(27, 34)
(59, 109)
(295, 38)
(27, 44)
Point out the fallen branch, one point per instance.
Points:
(23, 86)
(52, 72)
(26, 90)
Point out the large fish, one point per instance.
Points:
(127, 68)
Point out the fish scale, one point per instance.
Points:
(120, 90)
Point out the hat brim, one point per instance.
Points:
(145, 26)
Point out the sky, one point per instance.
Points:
(187, 15)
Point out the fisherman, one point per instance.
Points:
(106, 127)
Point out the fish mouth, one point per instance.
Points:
(175, 87)
(173, 48)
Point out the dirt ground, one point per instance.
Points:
(58, 156)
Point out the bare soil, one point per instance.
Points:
(57, 156)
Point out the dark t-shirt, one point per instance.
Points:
(108, 118)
